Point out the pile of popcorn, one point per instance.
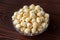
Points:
(30, 20)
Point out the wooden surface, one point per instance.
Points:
(7, 8)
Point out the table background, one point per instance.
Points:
(7, 8)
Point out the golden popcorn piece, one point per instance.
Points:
(41, 13)
(23, 23)
(15, 22)
(27, 30)
(33, 20)
(32, 6)
(46, 15)
(18, 26)
(25, 7)
(28, 19)
(33, 30)
(35, 25)
(25, 15)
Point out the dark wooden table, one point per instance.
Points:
(7, 8)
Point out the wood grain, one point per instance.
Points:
(7, 8)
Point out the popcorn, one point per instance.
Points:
(33, 20)
(40, 27)
(15, 13)
(22, 19)
(46, 15)
(32, 14)
(32, 6)
(35, 25)
(30, 20)
(22, 30)
(23, 23)
(27, 30)
(28, 25)
(13, 17)
(40, 30)
(40, 13)
(15, 22)
(25, 7)
(37, 7)
(46, 19)
(18, 26)
(33, 31)
(18, 16)
(38, 19)
(44, 25)
(21, 14)
(26, 10)
(42, 19)
(27, 19)
(25, 15)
